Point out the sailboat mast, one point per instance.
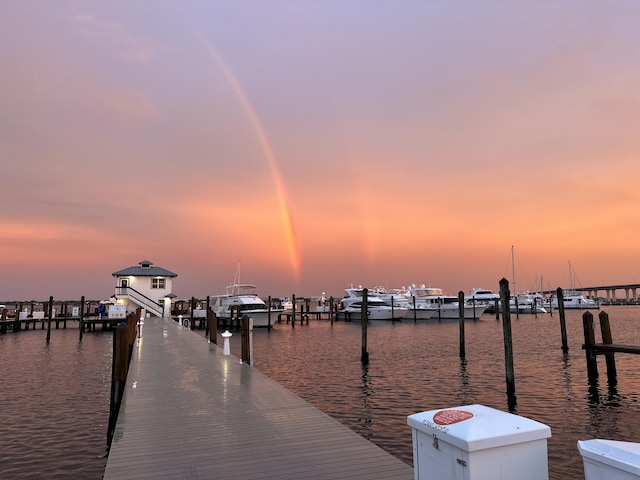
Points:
(513, 269)
(570, 277)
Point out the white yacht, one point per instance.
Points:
(402, 297)
(482, 298)
(443, 306)
(575, 301)
(243, 298)
(527, 303)
(377, 308)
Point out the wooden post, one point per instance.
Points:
(364, 315)
(269, 313)
(563, 325)
(213, 326)
(508, 343)
(206, 319)
(393, 316)
(193, 307)
(415, 314)
(81, 321)
(605, 328)
(497, 307)
(461, 320)
(293, 311)
(120, 365)
(245, 336)
(16, 321)
(331, 315)
(473, 300)
(589, 342)
(49, 319)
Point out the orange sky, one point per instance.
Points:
(319, 144)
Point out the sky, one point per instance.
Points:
(314, 144)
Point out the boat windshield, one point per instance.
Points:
(252, 306)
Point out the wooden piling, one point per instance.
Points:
(307, 303)
(293, 311)
(364, 315)
(508, 343)
(213, 329)
(81, 321)
(49, 319)
(461, 321)
(193, 307)
(563, 325)
(245, 339)
(119, 368)
(269, 313)
(415, 313)
(207, 325)
(331, 312)
(16, 321)
(589, 345)
(605, 329)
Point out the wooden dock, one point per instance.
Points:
(191, 412)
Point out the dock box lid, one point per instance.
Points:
(624, 456)
(476, 427)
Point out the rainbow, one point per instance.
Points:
(283, 201)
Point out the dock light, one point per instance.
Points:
(180, 319)
(226, 349)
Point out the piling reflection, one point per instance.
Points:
(366, 392)
(415, 366)
(465, 396)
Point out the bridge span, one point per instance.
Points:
(630, 291)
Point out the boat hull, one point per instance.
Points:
(261, 318)
(446, 312)
(373, 313)
(419, 313)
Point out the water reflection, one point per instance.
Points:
(416, 367)
(465, 393)
(365, 420)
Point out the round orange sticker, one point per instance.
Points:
(449, 417)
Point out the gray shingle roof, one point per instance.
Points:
(145, 269)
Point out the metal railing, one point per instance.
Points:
(141, 299)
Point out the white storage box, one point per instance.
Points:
(610, 459)
(474, 442)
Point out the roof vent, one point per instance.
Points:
(145, 264)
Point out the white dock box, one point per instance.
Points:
(610, 459)
(474, 442)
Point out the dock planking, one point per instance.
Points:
(196, 413)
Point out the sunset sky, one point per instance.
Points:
(318, 144)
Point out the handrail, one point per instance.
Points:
(141, 299)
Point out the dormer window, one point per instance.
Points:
(158, 282)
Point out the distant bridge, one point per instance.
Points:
(610, 290)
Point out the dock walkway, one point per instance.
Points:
(191, 412)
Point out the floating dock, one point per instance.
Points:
(191, 412)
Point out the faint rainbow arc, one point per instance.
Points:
(263, 139)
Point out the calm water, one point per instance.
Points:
(59, 430)
(54, 406)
